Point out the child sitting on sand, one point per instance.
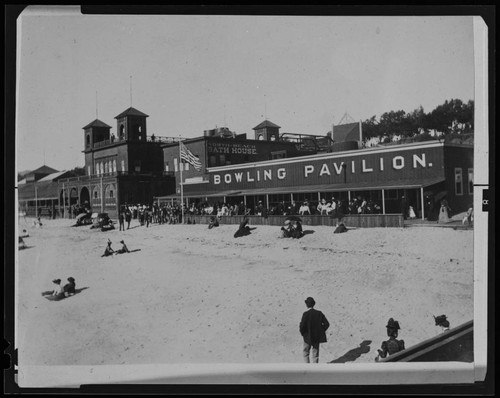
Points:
(393, 345)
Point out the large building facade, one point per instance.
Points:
(126, 168)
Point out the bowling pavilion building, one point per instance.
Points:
(274, 168)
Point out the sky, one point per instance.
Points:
(192, 73)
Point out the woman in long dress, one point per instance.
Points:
(444, 213)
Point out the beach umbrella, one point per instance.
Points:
(293, 218)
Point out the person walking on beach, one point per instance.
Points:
(313, 326)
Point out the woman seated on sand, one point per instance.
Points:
(124, 248)
(296, 230)
(69, 288)
(57, 293)
(393, 345)
(213, 222)
(21, 243)
(243, 229)
(340, 228)
(108, 251)
(286, 230)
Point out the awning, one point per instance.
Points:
(358, 186)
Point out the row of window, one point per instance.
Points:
(459, 184)
(105, 167)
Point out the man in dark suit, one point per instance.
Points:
(312, 328)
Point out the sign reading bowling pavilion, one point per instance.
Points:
(416, 162)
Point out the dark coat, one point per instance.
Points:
(313, 326)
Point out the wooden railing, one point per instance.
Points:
(353, 221)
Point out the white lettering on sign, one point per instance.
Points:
(420, 161)
(365, 165)
(364, 169)
(398, 162)
(324, 170)
(281, 174)
(308, 170)
(338, 169)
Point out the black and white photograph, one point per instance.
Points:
(250, 199)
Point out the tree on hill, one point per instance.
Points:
(452, 117)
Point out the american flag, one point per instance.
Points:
(187, 156)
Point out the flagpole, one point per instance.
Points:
(182, 187)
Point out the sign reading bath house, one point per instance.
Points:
(360, 166)
(231, 148)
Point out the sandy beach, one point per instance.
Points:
(194, 295)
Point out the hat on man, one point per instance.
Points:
(310, 302)
(121, 241)
(56, 281)
(71, 279)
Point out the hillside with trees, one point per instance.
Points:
(450, 120)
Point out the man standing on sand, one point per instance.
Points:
(313, 326)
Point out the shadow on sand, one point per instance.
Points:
(308, 232)
(48, 294)
(355, 353)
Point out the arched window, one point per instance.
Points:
(88, 139)
(114, 165)
(122, 132)
(105, 167)
(123, 165)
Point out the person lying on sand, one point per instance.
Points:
(109, 250)
(393, 345)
